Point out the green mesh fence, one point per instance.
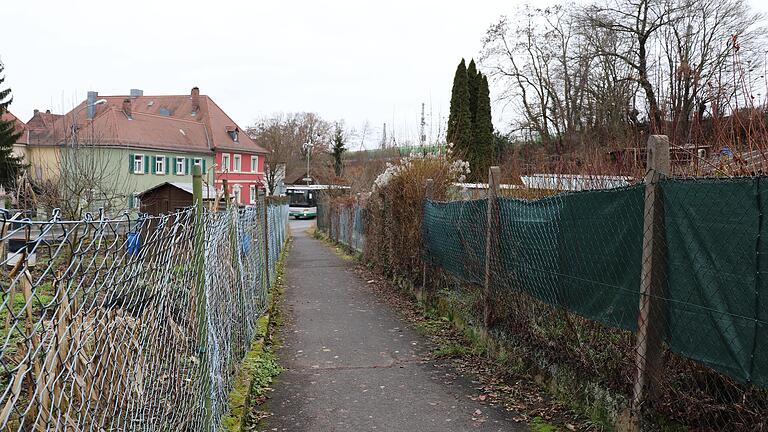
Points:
(579, 251)
(582, 252)
(717, 295)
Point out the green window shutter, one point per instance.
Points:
(203, 166)
(130, 163)
(174, 166)
(152, 164)
(167, 165)
(130, 201)
(146, 164)
(186, 166)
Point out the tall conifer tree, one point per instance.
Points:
(460, 117)
(10, 165)
(473, 78)
(482, 133)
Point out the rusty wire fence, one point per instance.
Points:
(342, 220)
(130, 324)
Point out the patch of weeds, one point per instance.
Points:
(539, 425)
(265, 369)
(451, 350)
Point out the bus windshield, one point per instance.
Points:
(302, 198)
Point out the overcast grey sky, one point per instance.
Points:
(360, 61)
(351, 60)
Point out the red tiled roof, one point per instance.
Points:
(20, 126)
(156, 122)
(41, 128)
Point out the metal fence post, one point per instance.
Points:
(428, 193)
(263, 200)
(202, 321)
(491, 243)
(650, 322)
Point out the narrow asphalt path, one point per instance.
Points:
(353, 365)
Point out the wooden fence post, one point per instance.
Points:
(428, 194)
(650, 320)
(491, 243)
(225, 187)
(202, 321)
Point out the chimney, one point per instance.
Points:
(127, 108)
(90, 107)
(36, 111)
(137, 93)
(195, 99)
(47, 111)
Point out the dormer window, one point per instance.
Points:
(233, 133)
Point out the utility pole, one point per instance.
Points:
(423, 134)
(384, 137)
(308, 149)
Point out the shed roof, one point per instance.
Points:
(209, 192)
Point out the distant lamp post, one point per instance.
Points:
(308, 148)
(74, 118)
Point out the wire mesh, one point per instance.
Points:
(565, 280)
(342, 220)
(123, 324)
(559, 278)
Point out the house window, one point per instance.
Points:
(254, 163)
(225, 162)
(179, 166)
(133, 201)
(160, 164)
(138, 164)
(199, 162)
(236, 192)
(237, 166)
(253, 194)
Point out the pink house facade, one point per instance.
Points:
(244, 173)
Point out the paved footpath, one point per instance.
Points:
(353, 365)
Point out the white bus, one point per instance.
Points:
(303, 199)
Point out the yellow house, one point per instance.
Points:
(42, 146)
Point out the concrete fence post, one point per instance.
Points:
(491, 243)
(650, 320)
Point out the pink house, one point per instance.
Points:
(243, 169)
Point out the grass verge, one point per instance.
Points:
(259, 366)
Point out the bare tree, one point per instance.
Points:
(545, 64)
(635, 23)
(284, 135)
(698, 49)
(88, 180)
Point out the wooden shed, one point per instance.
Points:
(170, 197)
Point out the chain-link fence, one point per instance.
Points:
(342, 220)
(131, 324)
